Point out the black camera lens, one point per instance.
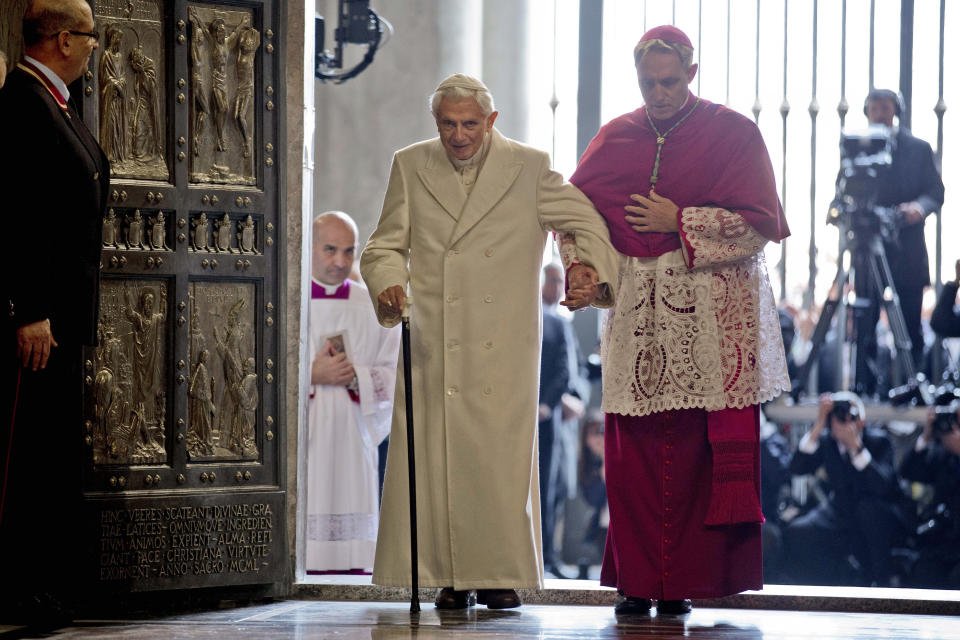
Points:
(843, 410)
(945, 418)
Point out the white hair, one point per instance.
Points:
(483, 98)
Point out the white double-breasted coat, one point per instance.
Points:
(473, 268)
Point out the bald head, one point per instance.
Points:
(334, 247)
(47, 37)
(554, 282)
(44, 18)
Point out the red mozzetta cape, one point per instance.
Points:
(714, 158)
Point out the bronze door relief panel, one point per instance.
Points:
(131, 79)
(223, 54)
(223, 380)
(182, 474)
(130, 385)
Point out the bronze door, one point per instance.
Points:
(182, 475)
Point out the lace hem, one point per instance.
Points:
(335, 527)
(674, 404)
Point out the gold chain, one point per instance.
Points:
(662, 137)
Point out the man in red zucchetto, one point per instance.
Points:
(693, 345)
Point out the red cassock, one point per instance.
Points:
(690, 351)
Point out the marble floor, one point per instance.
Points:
(306, 620)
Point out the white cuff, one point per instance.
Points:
(807, 444)
(862, 460)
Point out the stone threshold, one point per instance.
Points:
(589, 592)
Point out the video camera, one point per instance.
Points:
(865, 159)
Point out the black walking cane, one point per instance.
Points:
(411, 463)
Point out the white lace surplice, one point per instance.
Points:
(342, 493)
(696, 327)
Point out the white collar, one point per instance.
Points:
(329, 289)
(56, 80)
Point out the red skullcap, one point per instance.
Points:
(667, 33)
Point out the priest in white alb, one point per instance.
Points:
(352, 377)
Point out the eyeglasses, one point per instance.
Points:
(95, 36)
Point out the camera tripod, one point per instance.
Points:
(869, 258)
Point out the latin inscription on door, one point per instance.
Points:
(223, 540)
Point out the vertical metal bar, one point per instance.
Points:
(699, 38)
(906, 60)
(756, 73)
(843, 106)
(784, 111)
(938, 269)
(726, 100)
(814, 109)
(554, 102)
(644, 16)
(939, 110)
(590, 73)
(673, 15)
(873, 17)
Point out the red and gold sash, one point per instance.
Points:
(32, 69)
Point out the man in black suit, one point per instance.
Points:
(845, 539)
(554, 382)
(54, 179)
(935, 460)
(945, 320)
(913, 187)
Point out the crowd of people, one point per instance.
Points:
(880, 509)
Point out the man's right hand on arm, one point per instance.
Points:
(34, 343)
(391, 302)
(331, 367)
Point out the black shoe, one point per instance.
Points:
(555, 571)
(674, 607)
(449, 598)
(498, 598)
(633, 606)
(39, 612)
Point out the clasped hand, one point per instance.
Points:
(652, 213)
(583, 287)
(331, 367)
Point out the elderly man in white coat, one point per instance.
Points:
(464, 223)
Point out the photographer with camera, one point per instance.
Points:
(945, 319)
(846, 539)
(913, 189)
(935, 460)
